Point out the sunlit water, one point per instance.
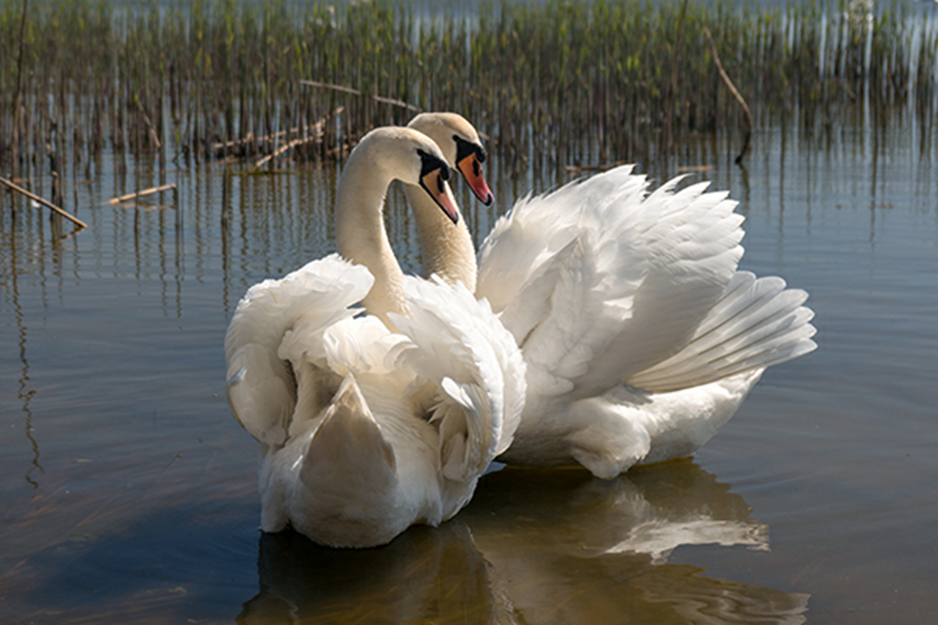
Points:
(127, 491)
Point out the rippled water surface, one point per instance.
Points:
(127, 491)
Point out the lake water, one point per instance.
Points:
(127, 491)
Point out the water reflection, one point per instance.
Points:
(536, 546)
(23, 392)
(437, 575)
(97, 324)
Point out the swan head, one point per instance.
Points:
(461, 146)
(411, 157)
(434, 172)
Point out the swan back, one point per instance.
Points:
(641, 337)
(600, 279)
(368, 431)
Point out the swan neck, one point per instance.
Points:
(448, 250)
(361, 235)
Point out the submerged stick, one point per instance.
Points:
(263, 161)
(45, 203)
(739, 98)
(249, 138)
(349, 90)
(145, 192)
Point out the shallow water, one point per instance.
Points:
(127, 491)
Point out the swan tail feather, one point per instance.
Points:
(758, 323)
(348, 448)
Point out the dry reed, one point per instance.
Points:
(567, 81)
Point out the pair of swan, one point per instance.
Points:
(602, 325)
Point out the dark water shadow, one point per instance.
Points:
(536, 546)
(176, 564)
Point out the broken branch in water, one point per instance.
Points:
(317, 134)
(45, 203)
(376, 98)
(145, 192)
(739, 98)
(263, 161)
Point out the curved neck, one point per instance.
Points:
(448, 250)
(361, 236)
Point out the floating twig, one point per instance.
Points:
(249, 138)
(739, 98)
(45, 203)
(240, 143)
(263, 161)
(145, 192)
(376, 98)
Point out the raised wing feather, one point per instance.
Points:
(757, 323)
(261, 386)
(623, 283)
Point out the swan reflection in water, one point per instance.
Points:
(536, 546)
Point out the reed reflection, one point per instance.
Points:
(536, 546)
(23, 392)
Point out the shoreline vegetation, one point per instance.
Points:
(576, 80)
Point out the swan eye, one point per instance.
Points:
(430, 163)
(465, 149)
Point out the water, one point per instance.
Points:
(127, 491)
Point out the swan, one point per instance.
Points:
(370, 423)
(640, 335)
(447, 249)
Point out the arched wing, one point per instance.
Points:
(261, 385)
(460, 346)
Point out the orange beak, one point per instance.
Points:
(434, 184)
(471, 169)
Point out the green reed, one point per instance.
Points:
(572, 80)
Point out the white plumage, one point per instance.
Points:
(368, 424)
(640, 335)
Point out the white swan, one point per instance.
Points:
(447, 249)
(640, 336)
(370, 424)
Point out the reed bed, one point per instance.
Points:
(565, 80)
